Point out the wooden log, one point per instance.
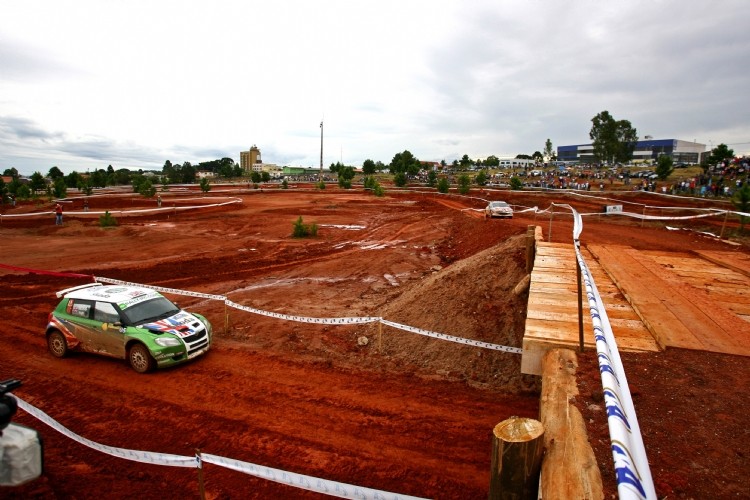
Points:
(517, 446)
(569, 469)
(530, 248)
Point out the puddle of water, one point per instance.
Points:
(350, 227)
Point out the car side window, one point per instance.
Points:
(79, 308)
(106, 313)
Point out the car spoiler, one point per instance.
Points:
(62, 293)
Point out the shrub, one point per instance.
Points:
(443, 185)
(107, 220)
(321, 185)
(302, 230)
(464, 184)
(515, 183)
(378, 189)
(284, 184)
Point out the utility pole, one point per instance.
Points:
(320, 176)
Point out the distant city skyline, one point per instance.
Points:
(89, 84)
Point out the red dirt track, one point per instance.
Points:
(402, 413)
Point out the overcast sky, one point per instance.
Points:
(87, 84)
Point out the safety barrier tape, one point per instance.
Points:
(134, 455)
(332, 488)
(47, 273)
(302, 481)
(451, 338)
(305, 319)
(174, 291)
(127, 212)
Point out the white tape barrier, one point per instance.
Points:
(134, 455)
(319, 321)
(451, 338)
(122, 213)
(333, 488)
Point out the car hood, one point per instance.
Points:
(181, 324)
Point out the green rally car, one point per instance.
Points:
(126, 322)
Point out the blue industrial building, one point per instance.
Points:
(646, 151)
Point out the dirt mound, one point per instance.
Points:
(478, 292)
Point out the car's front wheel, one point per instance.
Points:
(140, 359)
(57, 344)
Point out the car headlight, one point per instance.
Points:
(168, 341)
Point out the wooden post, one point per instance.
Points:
(530, 248)
(551, 215)
(201, 486)
(569, 469)
(724, 225)
(580, 298)
(380, 337)
(517, 446)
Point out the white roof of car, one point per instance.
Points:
(120, 294)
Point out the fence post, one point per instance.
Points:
(530, 248)
(201, 486)
(517, 446)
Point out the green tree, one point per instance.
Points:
(255, 177)
(466, 162)
(265, 176)
(515, 183)
(537, 156)
(3, 191)
(59, 189)
(741, 200)
(205, 185)
(227, 171)
(85, 187)
(719, 154)
(11, 172)
(431, 178)
(302, 230)
(346, 174)
(146, 189)
(464, 183)
(443, 186)
(107, 220)
(368, 167)
(284, 184)
(613, 140)
(481, 178)
(405, 163)
(492, 161)
(73, 179)
(37, 182)
(23, 192)
(548, 153)
(399, 180)
(55, 173)
(664, 167)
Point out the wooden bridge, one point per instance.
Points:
(654, 300)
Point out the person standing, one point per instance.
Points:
(58, 215)
(158, 201)
(85, 204)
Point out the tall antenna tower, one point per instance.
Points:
(320, 176)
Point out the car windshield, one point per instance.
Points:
(150, 310)
(498, 204)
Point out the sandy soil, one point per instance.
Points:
(401, 413)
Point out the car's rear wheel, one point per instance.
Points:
(140, 359)
(57, 344)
